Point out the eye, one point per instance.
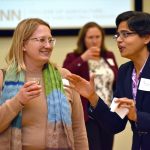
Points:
(125, 34)
(42, 40)
(50, 40)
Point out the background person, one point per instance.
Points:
(91, 56)
(33, 116)
(132, 87)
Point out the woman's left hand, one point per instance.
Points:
(84, 87)
(130, 104)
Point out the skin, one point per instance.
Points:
(35, 56)
(93, 44)
(138, 53)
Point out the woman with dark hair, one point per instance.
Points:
(133, 83)
(91, 56)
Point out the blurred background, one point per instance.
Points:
(65, 31)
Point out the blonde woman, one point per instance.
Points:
(36, 111)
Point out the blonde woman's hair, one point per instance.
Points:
(22, 33)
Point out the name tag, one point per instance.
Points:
(65, 82)
(144, 84)
(111, 61)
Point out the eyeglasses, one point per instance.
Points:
(123, 35)
(44, 40)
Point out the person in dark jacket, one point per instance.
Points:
(133, 83)
(91, 56)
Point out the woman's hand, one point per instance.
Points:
(29, 91)
(84, 87)
(130, 104)
(91, 53)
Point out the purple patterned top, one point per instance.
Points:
(135, 82)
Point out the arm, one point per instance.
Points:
(11, 107)
(78, 124)
(109, 120)
(8, 110)
(101, 112)
(75, 62)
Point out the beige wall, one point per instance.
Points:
(146, 6)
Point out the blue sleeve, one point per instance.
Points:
(109, 120)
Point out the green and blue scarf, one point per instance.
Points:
(59, 115)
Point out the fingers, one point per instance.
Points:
(33, 90)
(74, 78)
(92, 53)
(29, 91)
(95, 55)
(32, 94)
(92, 76)
(70, 86)
(29, 83)
(33, 87)
(124, 106)
(125, 102)
(129, 104)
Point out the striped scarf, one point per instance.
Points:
(59, 126)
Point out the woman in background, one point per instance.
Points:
(36, 111)
(91, 56)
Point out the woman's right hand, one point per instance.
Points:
(29, 91)
(84, 87)
(91, 53)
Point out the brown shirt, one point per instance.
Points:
(35, 120)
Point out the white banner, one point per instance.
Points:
(63, 14)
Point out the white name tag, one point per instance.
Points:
(144, 84)
(111, 61)
(65, 82)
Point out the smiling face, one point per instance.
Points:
(35, 51)
(133, 46)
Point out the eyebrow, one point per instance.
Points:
(42, 36)
(124, 30)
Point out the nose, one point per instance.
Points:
(119, 39)
(94, 41)
(48, 44)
